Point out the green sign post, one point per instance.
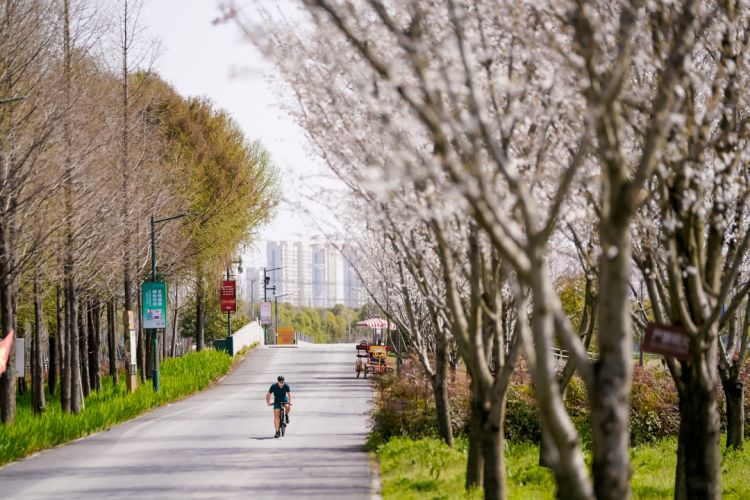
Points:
(154, 304)
(154, 317)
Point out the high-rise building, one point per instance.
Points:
(282, 266)
(353, 292)
(304, 274)
(318, 275)
(310, 274)
(333, 272)
(251, 290)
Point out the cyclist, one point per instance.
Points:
(282, 394)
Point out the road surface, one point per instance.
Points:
(219, 444)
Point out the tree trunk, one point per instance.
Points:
(493, 448)
(200, 316)
(37, 373)
(440, 390)
(548, 456)
(141, 346)
(8, 378)
(54, 348)
(112, 341)
(84, 349)
(614, 368)
(475, 462)
(95, 339)
(64, 343)
(733, 393)
(570, 470)
(699, 435)
(73, 349)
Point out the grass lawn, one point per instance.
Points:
(426, 468)
(113, 404)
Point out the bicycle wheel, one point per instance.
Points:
(282, 427)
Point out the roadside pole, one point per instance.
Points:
(158, 299)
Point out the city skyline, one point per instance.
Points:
(305, 274)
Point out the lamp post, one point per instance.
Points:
(154, 331)
(229, 314)
(266, 288)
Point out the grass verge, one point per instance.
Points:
(426, 468)
(180, 377)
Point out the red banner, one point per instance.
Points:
(228, 296)
(5, 346)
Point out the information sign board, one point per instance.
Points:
(669, 340)
(228, 296)
(154, 304)
(265, 313)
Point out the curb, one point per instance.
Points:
(374, 477)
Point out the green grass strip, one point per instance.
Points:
(180, 377)
(427, 468)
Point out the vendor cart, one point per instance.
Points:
(371, 359)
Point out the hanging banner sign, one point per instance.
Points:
(669, 340)
(265, 313)
(5, 346)
(228, 296)
(154, 314)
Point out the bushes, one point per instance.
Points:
(406, 407)
(654, 410)
(113, 404)
(521, 414)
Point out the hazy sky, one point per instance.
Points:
(199, 58)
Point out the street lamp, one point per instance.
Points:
(154, 331)
(266, 288)
(229, 314)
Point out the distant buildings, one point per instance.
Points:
(311, 274)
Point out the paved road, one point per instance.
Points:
(219, 444)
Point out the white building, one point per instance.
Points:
(311, 274)
(354, 294)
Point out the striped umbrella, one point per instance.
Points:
(378, 323)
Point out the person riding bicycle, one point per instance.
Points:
(282, 394)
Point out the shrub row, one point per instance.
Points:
(406, 407)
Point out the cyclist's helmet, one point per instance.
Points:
(280, 378)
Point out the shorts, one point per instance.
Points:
(277, 406)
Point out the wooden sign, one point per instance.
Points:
(669, 340)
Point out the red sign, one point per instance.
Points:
(5, 346)
(669, 340)
(228, 296)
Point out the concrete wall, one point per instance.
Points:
(245, 336)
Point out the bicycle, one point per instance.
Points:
(282, 419)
